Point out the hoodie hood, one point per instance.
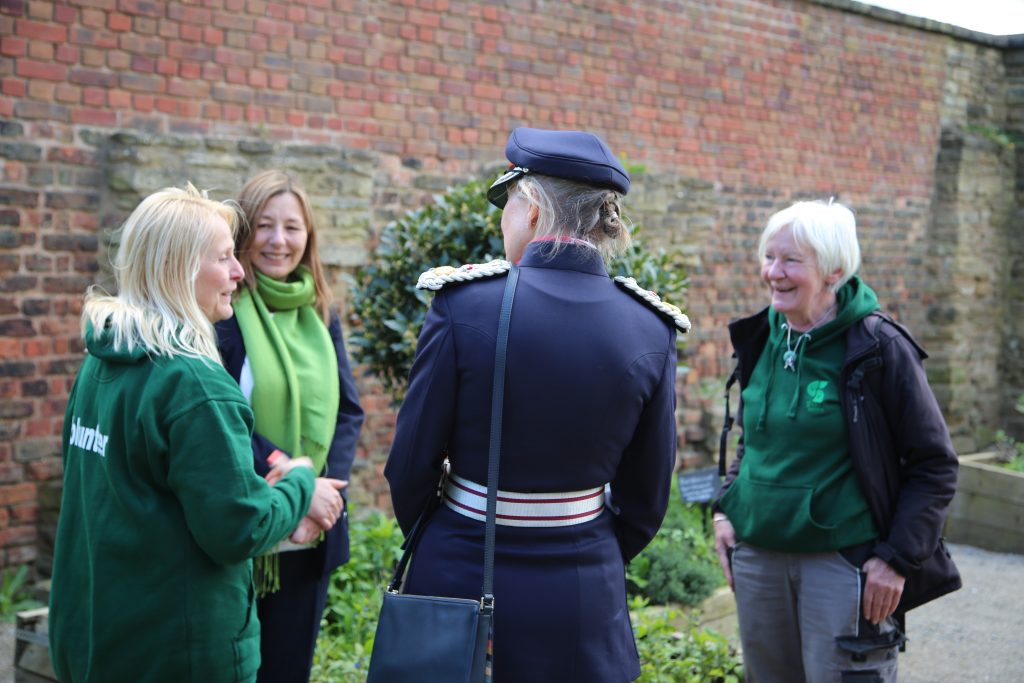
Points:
(102, 346)
(786, 348)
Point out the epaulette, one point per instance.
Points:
(438, 277)
(673, 313)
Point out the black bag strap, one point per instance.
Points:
(493, 459)
(494, 455)
(723, 440)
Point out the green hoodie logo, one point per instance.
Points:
(816, 396)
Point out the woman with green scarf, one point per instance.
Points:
(285, 348)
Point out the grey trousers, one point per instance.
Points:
(801, 620)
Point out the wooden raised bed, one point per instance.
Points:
(988, 508)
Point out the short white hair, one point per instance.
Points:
(828, 229)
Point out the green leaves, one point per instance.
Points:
(354, 598)
(15, 593)
(674, 649)
(388, 311)
(459, 227)
(680, 565)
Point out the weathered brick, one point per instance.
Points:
(34, 388)
(35, 307)
(13, 409)
(15, 151)
(46, 469)
(27, 109)
(37, 30)
(18, 283)
(26, 450)
(72, 200)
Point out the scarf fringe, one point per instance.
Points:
(266, 573)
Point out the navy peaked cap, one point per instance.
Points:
(570, 154)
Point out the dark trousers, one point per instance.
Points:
(290, 618)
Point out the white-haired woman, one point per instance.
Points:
(829, 524)
(161, 510)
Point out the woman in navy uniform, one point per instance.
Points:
(589, 435)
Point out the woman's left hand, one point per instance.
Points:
(882, 590)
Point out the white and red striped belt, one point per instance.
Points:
(524, 509)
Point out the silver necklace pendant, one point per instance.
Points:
(789, 361)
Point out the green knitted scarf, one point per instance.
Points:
(294, 367)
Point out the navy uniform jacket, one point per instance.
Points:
(334, 550)
(589, 400)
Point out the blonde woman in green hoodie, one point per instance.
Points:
(161, 509)
(829, 524)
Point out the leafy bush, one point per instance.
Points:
(690, 655)
(353, 601)
(459, 227)
(680, 564)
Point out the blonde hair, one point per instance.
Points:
(163, 244)
(252, 199)
(827, 228)
(569, 209)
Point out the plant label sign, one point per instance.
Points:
(699, 486)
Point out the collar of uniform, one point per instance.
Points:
(578, 257)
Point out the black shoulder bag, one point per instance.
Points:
(427, 639)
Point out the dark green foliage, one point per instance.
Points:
(680, 565)
(459, 227)
(353, 601)
(669, 654)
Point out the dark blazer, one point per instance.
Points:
(589, 400)
(334, 551)
(901, 449)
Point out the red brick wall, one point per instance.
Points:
(762, 101)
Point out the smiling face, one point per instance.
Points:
(798, 289)
(219, 274)
(279, 237)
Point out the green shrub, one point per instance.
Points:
(1011, 451)
(680, 564)
(690, 655)
(459, 227)
(353, 601)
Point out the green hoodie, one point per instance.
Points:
(796, 490)
(161, 513)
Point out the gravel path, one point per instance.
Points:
(975, 635)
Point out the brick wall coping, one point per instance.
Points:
(1011, 41)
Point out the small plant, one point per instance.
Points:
(1011, 451)
(15, 593)
(354, 599)
(458, 227)
(999, 136)
(669, 654)
(680, 565)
